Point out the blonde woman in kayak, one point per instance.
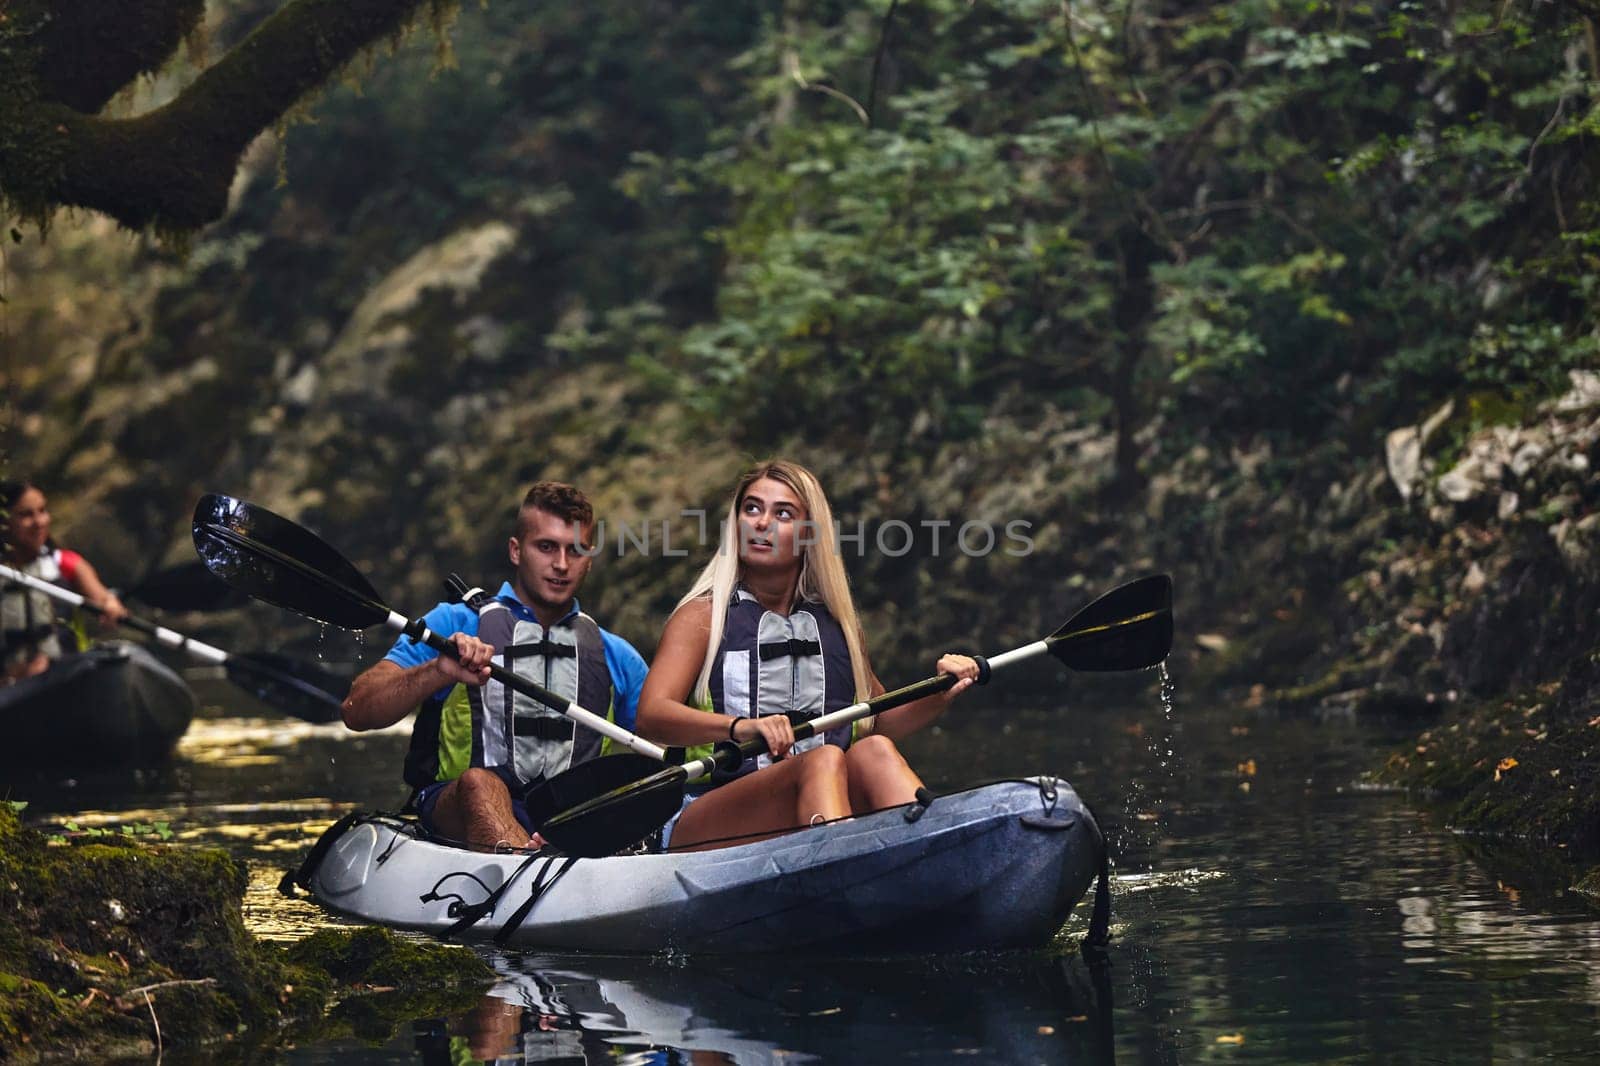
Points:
(769, 629)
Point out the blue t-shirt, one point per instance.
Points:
(627, 666)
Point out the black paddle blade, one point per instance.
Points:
(275, 560)
(295, 687)
(585, 781)
(186, 587)
(1129, 628)
(612, 821)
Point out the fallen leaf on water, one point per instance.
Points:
(1134, 730)
(1248, 768)
(1507, 763)
(1231, 1038)
(1595, 721)
(1556, 772)
(1244, 786)
(1046, 1030)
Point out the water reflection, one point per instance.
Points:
(993, 1009)
(1303, 918)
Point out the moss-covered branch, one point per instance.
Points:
(89, 49)
(170, 168)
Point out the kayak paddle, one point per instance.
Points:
(275, 560)
(1128, 628)
(314, 695)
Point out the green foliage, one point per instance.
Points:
(1222, 212)
(1244, 225)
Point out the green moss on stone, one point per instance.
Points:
(27, 1007)
(1588, 886)
(101, 936)
(1527, 766)
(378, 957)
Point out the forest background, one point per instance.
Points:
(1294, 300)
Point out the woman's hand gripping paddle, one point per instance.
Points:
(1128, 628)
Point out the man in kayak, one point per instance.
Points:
(477, 747)
(29, 639)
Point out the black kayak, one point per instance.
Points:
(113, 705)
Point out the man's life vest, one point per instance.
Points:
(768, 663)
(493, 727)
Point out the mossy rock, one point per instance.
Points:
(100, 938)
(1527, 766)
(1588, 887)
(27, 1007)
(378, 958)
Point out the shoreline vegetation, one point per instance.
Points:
(1470, 608)
(122, 946)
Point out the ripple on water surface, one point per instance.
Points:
(1267, 906)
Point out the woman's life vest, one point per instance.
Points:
(28, 616)
(768, 663)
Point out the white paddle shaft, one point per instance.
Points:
(162, 634)
(864, 709)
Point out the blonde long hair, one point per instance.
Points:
(822, 576)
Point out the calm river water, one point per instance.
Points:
(1267, 907)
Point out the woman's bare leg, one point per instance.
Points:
(784, 796)
(879, 775)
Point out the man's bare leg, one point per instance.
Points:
(476, 807)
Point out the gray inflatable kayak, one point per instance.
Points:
(996, 866)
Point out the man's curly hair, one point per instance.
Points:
(560, 499)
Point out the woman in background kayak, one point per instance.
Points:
(29, 638)
(766, 631)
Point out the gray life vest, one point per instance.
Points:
(28, 616)
(768, 663)
(519, 733)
